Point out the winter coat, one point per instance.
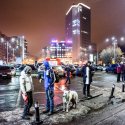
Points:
(48, 84)
(26, 83)
(118, 69)
(87, 74)
(123, 68)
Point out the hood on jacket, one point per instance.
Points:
(46, 64)
(27, 69)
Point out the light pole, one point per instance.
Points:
(22, 38)
(114, 42)
(86, 53)
(7, 52)
(13, 54)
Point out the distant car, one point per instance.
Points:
(13, 70)
(19, 67)
(73, 70)
(78, 71)
(40, 72)
(59, 70)
(111, 68)
(104, 68)
(99, 67)
(5, 72)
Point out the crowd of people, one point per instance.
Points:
(26, 84)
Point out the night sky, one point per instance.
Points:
(41, 20)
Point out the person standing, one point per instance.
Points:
(26, 86)
(87, 78)
(123, 71)
(49, 88)
(118, 69)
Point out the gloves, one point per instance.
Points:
(25, 97)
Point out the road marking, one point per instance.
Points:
(54, 91)
(7, 94)
(38, 92)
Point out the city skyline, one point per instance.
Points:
(42, 21)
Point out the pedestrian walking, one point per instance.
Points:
(87, 78)
(26, 86)
(68, 75)
(49, 79)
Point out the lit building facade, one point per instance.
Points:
(78, 28)
(58, 49)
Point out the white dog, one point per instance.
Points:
(68, 97)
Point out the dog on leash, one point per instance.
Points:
(69, 96)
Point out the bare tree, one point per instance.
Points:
(108, 54)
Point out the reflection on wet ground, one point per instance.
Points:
(9, 89)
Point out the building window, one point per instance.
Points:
(75, 23)
(84, 18)
(85, 32)
(76, 31)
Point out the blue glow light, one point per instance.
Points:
(54, 41)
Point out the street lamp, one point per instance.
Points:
(13, 54)
(114, 42)
(22, 39)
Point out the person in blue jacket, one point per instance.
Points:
(49, 88)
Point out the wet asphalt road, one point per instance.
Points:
(8, 93)
(9, 89)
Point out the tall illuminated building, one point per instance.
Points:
(78, 28)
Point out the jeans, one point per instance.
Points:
(68, 80)
(28, 104)
(123, 77)
(49, 100)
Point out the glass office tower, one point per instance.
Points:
(78, 28)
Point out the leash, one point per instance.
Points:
(59, 88)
